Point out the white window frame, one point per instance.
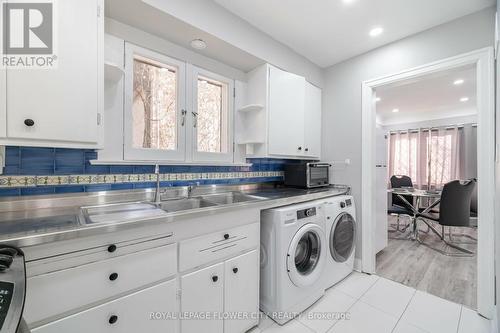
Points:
(146, 154)
(198, 156)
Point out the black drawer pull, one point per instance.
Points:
(235, 270)
(112, 248)
(113, 319)
(226, 236)
(113, 276)
(29, 122)
(215, 278)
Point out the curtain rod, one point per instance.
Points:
(413, 130)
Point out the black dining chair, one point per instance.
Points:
(399, 207)
(454, 211)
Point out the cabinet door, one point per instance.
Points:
(312, 121)
(144, 311)
(63, 102)
(241, 292)
(3, 103)
(286, 113)
(202, 293)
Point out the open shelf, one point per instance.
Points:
(251, 108)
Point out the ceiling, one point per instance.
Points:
(168, 27)
(434, 96)
(330, 31)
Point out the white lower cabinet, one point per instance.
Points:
(227, 291)
(202, 294)
(143, 311)
(241, 292)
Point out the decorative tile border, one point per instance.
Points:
(9, 182)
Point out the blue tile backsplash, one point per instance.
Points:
(35, 171)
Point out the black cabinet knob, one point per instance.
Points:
(29, 122)
(113, 319)
(113, 277)
(300, 148)
(112, 248)
(235, 270)
(215, 278)
(307, 149)
(226, 236)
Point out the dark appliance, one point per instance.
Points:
(307, 174)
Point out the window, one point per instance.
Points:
(154, 105)
(430, 158)
(212, 117)
(154, 102)
(160, 124)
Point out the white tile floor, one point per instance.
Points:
(377, 305)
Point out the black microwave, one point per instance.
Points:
(307, 174)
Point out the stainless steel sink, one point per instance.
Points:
(120, 212)
(185, 204)
(230, 198)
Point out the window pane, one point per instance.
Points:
(212, 116)
(154, 106)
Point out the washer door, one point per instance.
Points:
(342, 237)
(305, 257)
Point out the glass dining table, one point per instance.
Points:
(418, 195)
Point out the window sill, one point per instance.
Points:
(131, 162)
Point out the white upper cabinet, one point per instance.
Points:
(312, 121)
(155, 106)
(61, 106)
(288, 125)
(3, 103)
(286, 113)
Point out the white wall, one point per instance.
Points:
(342, 91)
(216, 20)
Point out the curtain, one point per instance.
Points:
(430, 157)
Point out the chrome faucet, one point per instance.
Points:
(191, 187)
(158, 192)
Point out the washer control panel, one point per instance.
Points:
(305, 213)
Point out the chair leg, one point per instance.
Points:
(464, 252)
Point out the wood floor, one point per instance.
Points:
(424, 269)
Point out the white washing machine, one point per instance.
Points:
(293, 257)
(341, 229)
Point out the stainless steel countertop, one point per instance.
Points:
(45, 219)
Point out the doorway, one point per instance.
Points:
(482, 62)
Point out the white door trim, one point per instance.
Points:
(484, 61)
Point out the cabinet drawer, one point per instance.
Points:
(93, 254)
(219, 245)
(83, 285)
(129, 314)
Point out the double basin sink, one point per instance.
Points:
(137, 210)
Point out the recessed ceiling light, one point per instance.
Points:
(198, 44)
(458, 82)
(348, 1)
(395, 110)
(378, 99)
(464, 99)
(376, 31)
